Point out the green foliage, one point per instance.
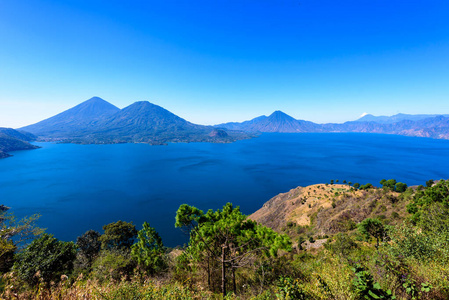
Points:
(113, 265)
(343, 244)
(366, 186)
(423, 199)
(426, 242)
(290, 289)
(13, 235)
(407, 242)
(149, 251)
(391, 183)
(48, 256)
(89, 246)
(365, 286)
(372, 227)
(429, 183)
(133, 290)
(356, 185)
(400, 187)
(228, 237)
(301, 240)
(118, 236)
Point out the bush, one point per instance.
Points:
(288, 288)
(114, 265)
(343, 244)
(365, 286)
(47, 257)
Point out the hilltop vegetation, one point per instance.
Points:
(326, 241)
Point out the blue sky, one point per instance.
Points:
(213, 61)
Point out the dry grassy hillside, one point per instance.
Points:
(330, 208)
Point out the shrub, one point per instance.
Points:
(288, 288)
(47, 257)
(343, 244)
(113, 265)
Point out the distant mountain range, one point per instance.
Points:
(276, 122)
(396, 118)
(432, 126)
(97, 121)
(13, 140)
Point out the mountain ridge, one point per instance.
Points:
(13, 140)
(96, 121)
(77, 118)
(431, 126)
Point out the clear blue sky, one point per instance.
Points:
(213, 61)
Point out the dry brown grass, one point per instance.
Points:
(329, 209)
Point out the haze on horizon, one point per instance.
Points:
(225, 60)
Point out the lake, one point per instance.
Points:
(80, 187)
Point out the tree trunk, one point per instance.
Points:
(223, 271)
(233, 281)
(208, 272)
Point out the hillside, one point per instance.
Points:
(13, 140)
(325, 209)
(343, 242)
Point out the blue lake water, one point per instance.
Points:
(80, 187)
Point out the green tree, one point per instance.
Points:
(229, 238)
(430, 182)
(13, 235)
(423, 199)
(149, 250)
(118, 236)
(366, 186)
(372, 227)
(47, 257)
(400, 187)
(390, 184)
(89, 246)
(356, 185)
